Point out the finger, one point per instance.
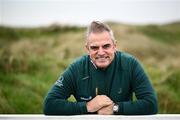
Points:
(105, 97)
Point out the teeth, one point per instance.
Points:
(102, 57)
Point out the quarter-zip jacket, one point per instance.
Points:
(123, 77)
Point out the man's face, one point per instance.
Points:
(101, 49)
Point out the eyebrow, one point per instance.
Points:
(103, 46)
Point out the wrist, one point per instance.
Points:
(88, 106)
(115, 108)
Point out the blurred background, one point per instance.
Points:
(40, 38)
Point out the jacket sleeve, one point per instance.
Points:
(146, 102)
(56, 102)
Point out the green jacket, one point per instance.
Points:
(123, 77)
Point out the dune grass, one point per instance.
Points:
(31, 60)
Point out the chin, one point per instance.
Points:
(102, 65)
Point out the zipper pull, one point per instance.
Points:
(96, 91)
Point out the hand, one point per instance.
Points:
(98, 102)
(107, 110)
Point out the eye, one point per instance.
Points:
(94, 48)
(106, 46)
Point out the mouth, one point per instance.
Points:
(102, 59)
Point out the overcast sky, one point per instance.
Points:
(45, 12)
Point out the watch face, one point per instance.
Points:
(115, 108)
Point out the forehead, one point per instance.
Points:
(99, 38)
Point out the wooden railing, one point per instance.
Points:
(89, 117)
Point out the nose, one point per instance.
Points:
(101, 51)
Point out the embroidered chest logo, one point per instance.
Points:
(120, 91)
(59, 82)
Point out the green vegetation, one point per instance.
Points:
(165, 33)
(31, 60)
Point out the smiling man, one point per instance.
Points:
(103, 81)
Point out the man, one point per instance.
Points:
(103, 82)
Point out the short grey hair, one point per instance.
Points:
(99, 27)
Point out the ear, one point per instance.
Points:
(115, 45)
(86, 48)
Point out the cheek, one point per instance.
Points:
(111, 52)
(92, 55)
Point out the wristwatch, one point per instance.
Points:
(115, 108)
